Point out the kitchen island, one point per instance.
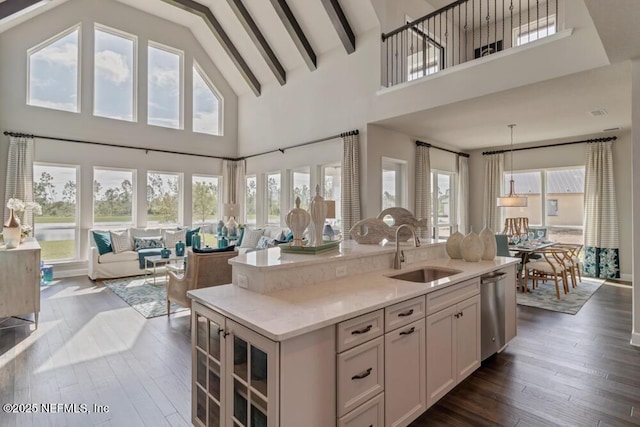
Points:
(360, 349)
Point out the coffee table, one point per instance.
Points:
(155, 264)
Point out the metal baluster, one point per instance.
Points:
(446, 34)
(488, 27)
(480, 25)
(528, 20)
(557, 16)
(495, 23)
(466, 30)
(548, 18)
(538, 17)
(503, 18)
(473, 24)
(519, 17)
(459, 35)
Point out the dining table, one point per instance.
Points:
(524, 251)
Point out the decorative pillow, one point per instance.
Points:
(209, 250)
(251, 238)
(189, 234)
(171, 237)
(263, 243)
(239, 242)
(289, 237)
(103, 241)
(282, 236)
(148, 242)
(120, 241)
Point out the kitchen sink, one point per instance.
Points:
(425, 275)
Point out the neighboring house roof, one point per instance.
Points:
(568, 181)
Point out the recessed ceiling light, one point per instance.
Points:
(599, 112)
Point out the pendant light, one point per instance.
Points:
(513, 200)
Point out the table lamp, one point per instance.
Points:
(231, 210)
(331, 213)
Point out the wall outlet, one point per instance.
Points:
(422, 255)
(341, 271)
(243, 281)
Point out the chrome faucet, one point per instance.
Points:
(399, 259)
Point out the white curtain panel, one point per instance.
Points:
(463, 194)
(423, 187)
(350, 183)
(600, 213)
(19, 183)
(233, 183)
(493, 177)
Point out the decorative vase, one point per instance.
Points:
(165, 253)
(488, 239)
(328, 231)
(232, 227)
(453, 245)
(180, 247)
(223, 242)
(471, 247)
(11, 231)
(297, 220)
(195, 241)
(224, 231)
(318, 211)
(219, 227)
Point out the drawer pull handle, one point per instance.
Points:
(362, 331)
(406, 313)
(365, 374)
(409, 332)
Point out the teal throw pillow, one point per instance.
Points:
(239, 242)
(103, 241)
(289, 237)
(190, 233)
(147, 243)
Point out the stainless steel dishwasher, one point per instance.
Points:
(492, 296)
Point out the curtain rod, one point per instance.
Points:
(282, 150)
(146, 150)
(104, 144)
(586, 141)
(426, 144)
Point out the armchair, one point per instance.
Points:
(203, 270)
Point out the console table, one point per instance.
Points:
(20, 280)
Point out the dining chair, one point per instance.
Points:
(552, 266)
(502, 245)
(574, 262)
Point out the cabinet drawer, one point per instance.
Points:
(360, 375)
(370, 414)
(359, 329)
(444, 298)
(403, 313)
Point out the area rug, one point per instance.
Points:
(146, 298)
(544, 296)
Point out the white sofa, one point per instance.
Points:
(111, 265)
(271, 232)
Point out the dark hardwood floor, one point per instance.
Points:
(92, 348)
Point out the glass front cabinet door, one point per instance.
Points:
(234, 373)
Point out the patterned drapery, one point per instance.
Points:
(350, 183)
(601, 256)
(19, 184)
(493, 177)
(423, 187)
(232, 181)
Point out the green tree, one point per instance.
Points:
(69, 192)
(251, 198)
(273, 197)
(205, 200)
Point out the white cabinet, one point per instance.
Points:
(453, 345)
(234, 373)
(405, 373)
(20, 280)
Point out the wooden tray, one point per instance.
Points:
(327, 245)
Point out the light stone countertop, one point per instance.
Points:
(288, 313)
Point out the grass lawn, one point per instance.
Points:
(57, 249)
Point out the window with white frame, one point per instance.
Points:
(164, 85)
(250, 204)
(54, 72)
(205, 199)
(424, 54)
(57, 229)
(114, 74)
(301, 187)
(534, 30)
(113, 196)
(164, 198)
(555, 201)
(394, 183)
(273, 201)
(207, 104)
(443, 203)
(332, 177)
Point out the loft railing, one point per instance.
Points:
(463, 31)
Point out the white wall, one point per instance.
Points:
(634, 159)
(15, 115)
(557, 157)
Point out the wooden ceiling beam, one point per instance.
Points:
(258, 39)
(296, 33)
(11, 7)
(340, 23)
(205, 13)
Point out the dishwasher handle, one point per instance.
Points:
(492, 278)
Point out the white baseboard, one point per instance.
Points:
(635, 339)
(69, 273)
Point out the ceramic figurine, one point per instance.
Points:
(219, 227)
(195, 241)
(165, 253)
(453, 245)
(318, 211)
(180, 248)
(297, 220)
(471, 247)
(488, 239)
